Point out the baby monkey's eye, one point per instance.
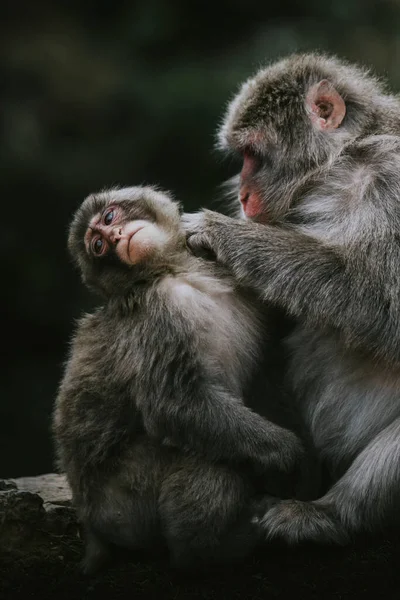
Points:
(108, 217)
(98, 245)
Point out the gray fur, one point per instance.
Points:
(150, 424)
(329, 255)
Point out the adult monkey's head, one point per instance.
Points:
(290, 119)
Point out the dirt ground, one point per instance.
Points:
(368, 569)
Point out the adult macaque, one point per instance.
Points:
(320, 189)
(150, 423)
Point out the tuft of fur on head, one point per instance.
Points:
(272, 104)
(273, 119)
(109, 276)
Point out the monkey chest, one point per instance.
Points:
(224, 330)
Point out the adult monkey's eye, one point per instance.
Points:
(98, 246)
(108, 217)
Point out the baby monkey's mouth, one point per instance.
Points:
(132, 235)
(126, 248)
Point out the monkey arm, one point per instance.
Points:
(185, 404)
(211, 423)
(353, 290)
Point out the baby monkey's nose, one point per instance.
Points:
(116, 234)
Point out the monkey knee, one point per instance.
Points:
(125, 520)
(200, 493)
(209, 520)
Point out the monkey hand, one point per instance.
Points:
(202, 231)
(197, 237)
(285, 456)
(295, 521)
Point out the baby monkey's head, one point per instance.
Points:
(122, 236)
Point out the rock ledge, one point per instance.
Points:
(36, 514)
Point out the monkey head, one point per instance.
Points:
(289, 120)
(122, 236)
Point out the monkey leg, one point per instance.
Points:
(123, 518)
(206, 514)
(121, 507)
(363, 499)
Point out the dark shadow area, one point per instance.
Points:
(367, 569)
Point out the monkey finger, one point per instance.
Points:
(193, 223)
(261, 506)
(199, 243)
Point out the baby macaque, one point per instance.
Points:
(150, 422)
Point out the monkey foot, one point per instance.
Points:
(96, 556)
(294, 521)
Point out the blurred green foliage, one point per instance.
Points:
(95, 93)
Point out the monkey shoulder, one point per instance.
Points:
(92, 337)
(208, 298)
(375, 146)
(103, 350)
(356, 197)
(376, 155)
(373, 167)
(207, 313)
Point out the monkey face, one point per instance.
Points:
(133, 241)
(122, 236)
(285, 123)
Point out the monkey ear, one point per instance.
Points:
(325, 105)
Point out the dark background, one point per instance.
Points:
(95, 93)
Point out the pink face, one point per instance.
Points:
(249, 197)
(133, 241)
